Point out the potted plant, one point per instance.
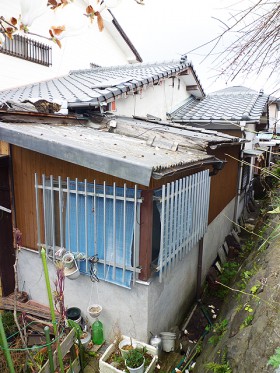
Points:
(125, 346)
(112, 361)
(135, 361)
(68, 260)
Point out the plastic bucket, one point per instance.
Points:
(168, 341)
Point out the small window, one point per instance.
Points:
(93, 220)
(28, 49)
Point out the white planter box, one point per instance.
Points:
(107, 368)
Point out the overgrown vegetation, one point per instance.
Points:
(222, 367)
(218, 330)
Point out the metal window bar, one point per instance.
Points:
(27, 49)
(56, 192)
(184, 206)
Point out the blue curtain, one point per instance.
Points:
(123, 245)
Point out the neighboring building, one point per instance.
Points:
(147, 197)
(131, 90)
(29, 58)
(238, 111)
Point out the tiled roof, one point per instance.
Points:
(97, 85)
(229, 104)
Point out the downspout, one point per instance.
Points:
(239, 177)
(199, 269)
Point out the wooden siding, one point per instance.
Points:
(26, 163)
(224, 184)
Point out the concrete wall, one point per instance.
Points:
(217, 230)
(127, 309)
(155, 100)
(146, 307)
(170, 300)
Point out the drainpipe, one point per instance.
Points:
(199, 269)
(240, 172)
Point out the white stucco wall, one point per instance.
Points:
(146, 307)
(155, 100)
(77, 52)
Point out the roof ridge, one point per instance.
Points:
(129, 66)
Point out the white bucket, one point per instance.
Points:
(168, 341)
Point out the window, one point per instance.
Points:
(183, 210)
(92, 219)
(28, 49)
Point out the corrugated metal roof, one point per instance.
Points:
(99, 84)
(229, 104)
(126, 154)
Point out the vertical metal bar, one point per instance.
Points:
(124, 232)
(196, 207)
(52, 217)
(201, 200)
(181, 202)
(171, 227)
(114, 231)
(95, 217)
(134, 239)
(44, 207)
(68, 214)
(162, 233)
(167, 226)
(176, 224)
(185, 214)
(77, 217)
(37, 211)
(104, 227)
(60, 200)
(86, 225)
(189, 211)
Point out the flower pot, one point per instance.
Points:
(68, 260)
(106, 367)
(125, 345)
(137, 370)
(94, 310)
(72, 273)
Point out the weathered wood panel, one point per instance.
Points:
(224, 184)
(25, 164)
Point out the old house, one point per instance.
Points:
(238, 111)
(141, 201)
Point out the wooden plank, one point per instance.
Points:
(146, 234)
(65, 346)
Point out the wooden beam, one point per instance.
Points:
(146, 235)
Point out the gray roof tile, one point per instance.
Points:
(86, 85)
(232, 104)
